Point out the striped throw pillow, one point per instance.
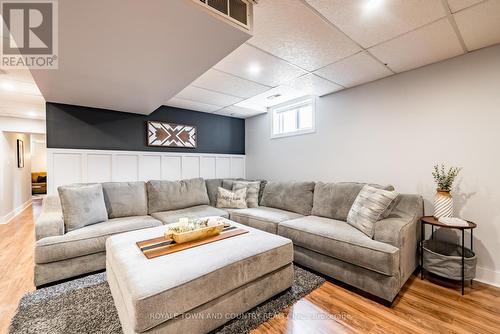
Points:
(369, 207)
(253, 188)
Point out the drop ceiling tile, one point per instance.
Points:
(239, 112)
(205, 96)
(272, 97)
(355, 70)
(191, 105)
(229, 84)
(480, 25)
(426, 45)
(456, 5)
(311, 84)
(290, 30)
(253, 64)
(370, 22)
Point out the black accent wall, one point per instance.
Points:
(79, 127)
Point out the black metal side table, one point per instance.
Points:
(430, 220)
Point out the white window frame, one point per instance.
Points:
(293, 105)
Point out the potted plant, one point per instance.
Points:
(443, 201)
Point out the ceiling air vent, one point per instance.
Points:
(237, 11)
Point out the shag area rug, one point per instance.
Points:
(85, 305)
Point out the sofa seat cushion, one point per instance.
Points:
(340, 240)
(89, 239)
(177, 283)
(262, 217)
(199, 211)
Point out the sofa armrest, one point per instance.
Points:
(401, 229)
(50, 222)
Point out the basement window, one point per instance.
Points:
(293, 118)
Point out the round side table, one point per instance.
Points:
(430, 220)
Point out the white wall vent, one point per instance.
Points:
(236, 11)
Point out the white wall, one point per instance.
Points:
(15, 191)
(38, 153)
(394, 130)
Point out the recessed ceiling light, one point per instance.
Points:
(371, 5)
(254, 68)
(31, 113)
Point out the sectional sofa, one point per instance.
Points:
(312, 215)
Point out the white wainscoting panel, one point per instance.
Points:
(125, 167)
(149, 167)
(99, 167)
(171, 167)
(66, 166)
(207, 167)
(190, 167)
(238, 167)
(222, 167)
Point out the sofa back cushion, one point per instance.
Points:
(125, 199)
(174, 195)
(212, 186)
(82, 205)
(291, 196)
(334, 200)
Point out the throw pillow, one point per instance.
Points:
(231, 199)
(369, 207)
(252, 188)
(82, 205)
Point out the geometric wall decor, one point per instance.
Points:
(171, 135)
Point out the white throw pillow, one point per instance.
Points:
(369, 207)
(253, 188)
(231, 199)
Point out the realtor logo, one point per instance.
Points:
(33, 34)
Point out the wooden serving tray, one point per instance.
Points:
(160, 246)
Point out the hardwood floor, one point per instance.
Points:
(422, 306)
(16, 261)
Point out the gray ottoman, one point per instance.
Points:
(199, 289)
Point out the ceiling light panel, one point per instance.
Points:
(292, 31)
(253, 64)
(229, 84)
(370, 22)
(355, 70)
(205, 96)
(480, 25)
(312, 84)
(426, 45)
(191, 105)
(456, 5)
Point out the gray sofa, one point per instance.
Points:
(312, 215)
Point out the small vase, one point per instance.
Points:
(443, 204)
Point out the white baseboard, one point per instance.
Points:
(8, 217)
(487, 276)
